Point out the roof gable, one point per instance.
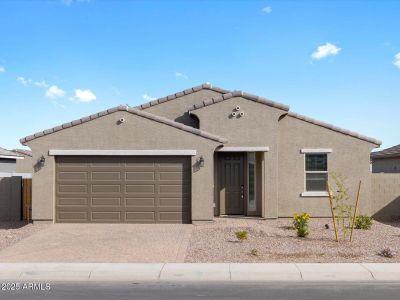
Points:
(204, 86)
(244, 95)
(131, 110)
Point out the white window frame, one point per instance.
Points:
(314, 193)
(253, 207)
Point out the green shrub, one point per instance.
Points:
(241, 235)
(254, 252)
(363, 222)
(300, 223)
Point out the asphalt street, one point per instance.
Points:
(230, 290)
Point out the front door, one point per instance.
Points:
(232, 189)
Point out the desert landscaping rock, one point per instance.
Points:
(13, 232)
(275, 241)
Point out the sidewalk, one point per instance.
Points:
(198, 272)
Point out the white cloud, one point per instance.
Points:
(29, 82)
(396, 61)
(54, 92)
(148, 98)
(181, 75)
(2, 69)
(325, 50)
(84, 95)
(267, 10)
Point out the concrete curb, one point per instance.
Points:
(199, 272)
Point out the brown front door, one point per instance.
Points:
(232, 183)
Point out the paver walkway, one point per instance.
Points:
(110, 243)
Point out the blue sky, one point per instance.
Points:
(62, 60)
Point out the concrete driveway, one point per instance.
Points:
(102, 243)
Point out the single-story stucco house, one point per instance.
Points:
(8, 160)
(386, 160)
(193, 155)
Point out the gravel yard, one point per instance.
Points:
(275, 241)
(13, 232)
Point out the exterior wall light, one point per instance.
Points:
(200, 161)
(41, 161)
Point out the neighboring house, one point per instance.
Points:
(24, 165)
(386, 161)
(8, 160)
(190, 156)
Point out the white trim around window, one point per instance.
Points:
(318, 150)
(314, 194)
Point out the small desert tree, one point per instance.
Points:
(341, 206)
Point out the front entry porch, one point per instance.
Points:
(239, 182)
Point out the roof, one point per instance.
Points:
(4, 153)
(131, 110)
(238, 94)
(335, 128)
(204, 86)
(389, 152)
(23, 152)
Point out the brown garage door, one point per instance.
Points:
(133, 189)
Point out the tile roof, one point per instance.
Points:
(5, 152)
(238, 94)
(204, 86)
(134, 111)
(389, 152)
(23, 152)
(335, 128)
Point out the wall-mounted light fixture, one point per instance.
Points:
(41, 161)
(200, 161)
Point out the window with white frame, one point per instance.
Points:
(251, 181)
(316, 172)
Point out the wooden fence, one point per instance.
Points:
(26, 199)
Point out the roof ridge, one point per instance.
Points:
(239, 93)
(334, 128)
(206, 86)
(6, 152)
(130, 110)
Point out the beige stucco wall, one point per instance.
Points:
(386, 165)
(136, 133)
(386, 196)
(349, 157)
(25, 165)
(258, 127)
(177, 109)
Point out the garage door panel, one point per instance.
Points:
(106, 216)
(106, 201)
(123, 189)
(106, 176)
(72, 188)
(72, 175)
(142, 201)
(139, 176)
(81, 201)
(106, 188)
(140, 188)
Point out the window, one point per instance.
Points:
(251, 158)
(316, 172)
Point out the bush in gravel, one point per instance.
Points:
(387, 252)
(363, 222)
(241, 235)
(300, 222)
(254, 252)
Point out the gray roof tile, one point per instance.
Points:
(5, 152)
(389, 152)
(140, 113)
(205, 86)
(335, 128)
(238, 94)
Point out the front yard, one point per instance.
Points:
(275, 241)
